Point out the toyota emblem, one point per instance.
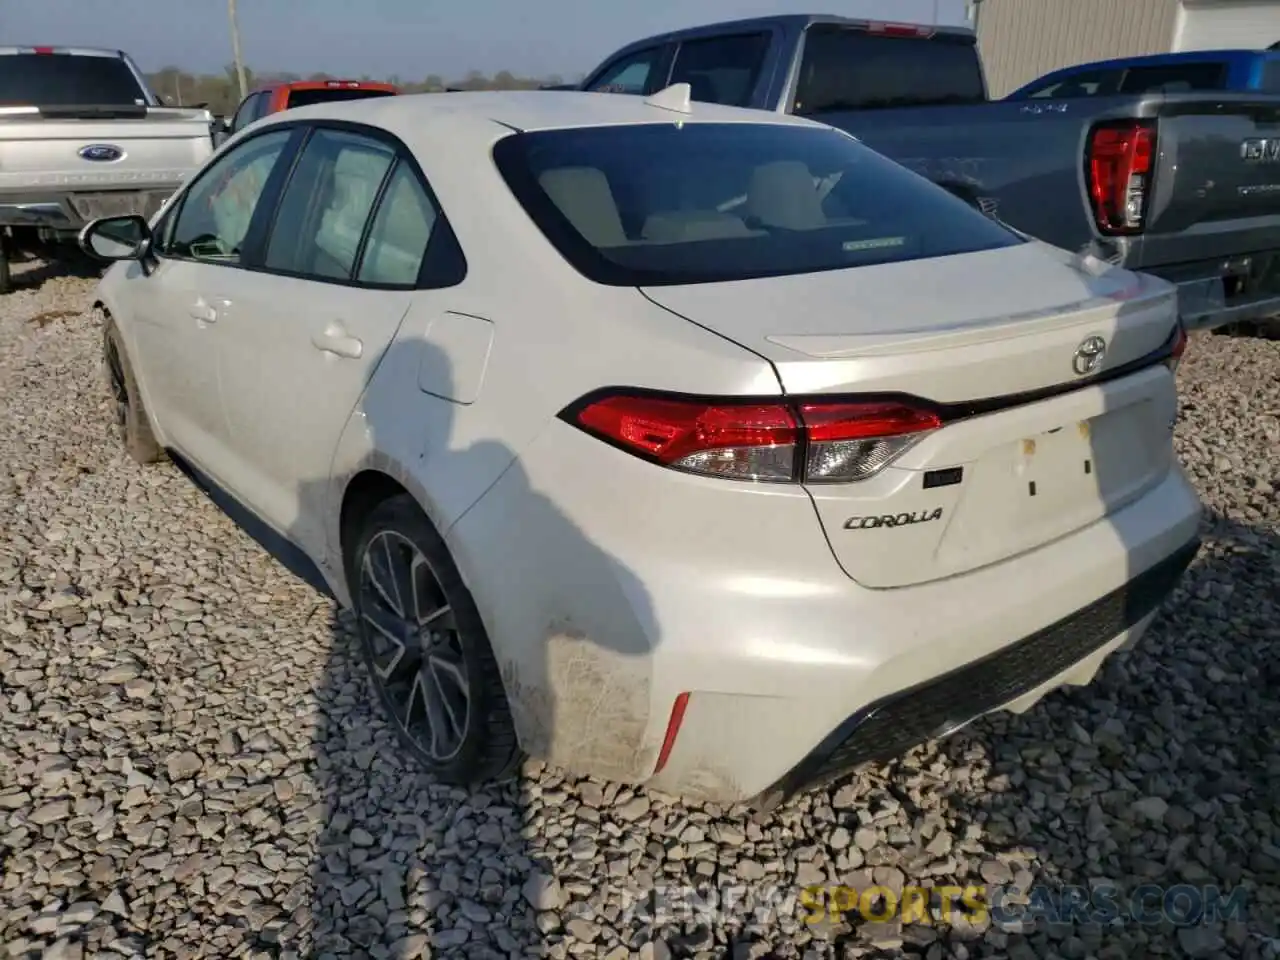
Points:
(1089, 355)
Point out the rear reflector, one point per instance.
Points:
(1118, 165)
(44, 50)
(781, 442)
(673, 731)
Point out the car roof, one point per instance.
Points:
(792, 21)
(525, 110)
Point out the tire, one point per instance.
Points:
(6, 272)
(447, 632)
(132, 422)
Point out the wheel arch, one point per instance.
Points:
(375, 481)
(360, 497)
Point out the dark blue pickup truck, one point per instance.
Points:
(1182, 185)
(1201, 71)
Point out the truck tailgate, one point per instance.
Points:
(49, 154)
(1216, 189)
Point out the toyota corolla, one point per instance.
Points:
(665, 442)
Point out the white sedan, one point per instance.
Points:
(727, 498)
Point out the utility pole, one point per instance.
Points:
(235, 49)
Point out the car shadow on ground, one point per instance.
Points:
(405, 866)
(1114, 817)
(31, 270)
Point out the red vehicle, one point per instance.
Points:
(275, 97)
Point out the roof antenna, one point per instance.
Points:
(674, 98)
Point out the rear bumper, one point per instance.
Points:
(1219, 293)
(896, 723)
(620, 600)
(69, 211)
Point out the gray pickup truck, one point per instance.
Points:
(82, 137)
(1185, 186)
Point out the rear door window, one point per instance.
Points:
(848, 69)
(721, 69)
(1174, 78)
(641, 72)
(326, 205)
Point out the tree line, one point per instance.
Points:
(221, 92)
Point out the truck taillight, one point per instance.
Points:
(900, 29)
(797, 441)
(1119, 162)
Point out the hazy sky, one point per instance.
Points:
(411, 38)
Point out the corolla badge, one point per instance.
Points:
(1089, 355)
(101, 152)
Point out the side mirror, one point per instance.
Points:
(220, 136)
(116, 238)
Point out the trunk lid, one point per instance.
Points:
(1030, 449)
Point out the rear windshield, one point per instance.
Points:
(666, 204)
(304, 98)
(1271, 75)
(1167, 78)
(64, 80)
(846, 69)
(1175, 78)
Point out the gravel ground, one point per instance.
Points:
(188, 767)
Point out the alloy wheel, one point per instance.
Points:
(414, 646)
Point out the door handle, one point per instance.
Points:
(337, 341)
(203, 312)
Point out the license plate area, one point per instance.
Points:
(1045, 485)
(117, 203)
(1056, 468)
(1082, 470)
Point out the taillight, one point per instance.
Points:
(853, 441)
(1118, 165)
(773, 441)
(1178, 349)
(900, 29)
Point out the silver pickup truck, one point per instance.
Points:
(82, 137)
(1179, 184)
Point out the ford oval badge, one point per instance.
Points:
(101, 152)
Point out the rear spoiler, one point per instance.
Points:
(91, 111)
